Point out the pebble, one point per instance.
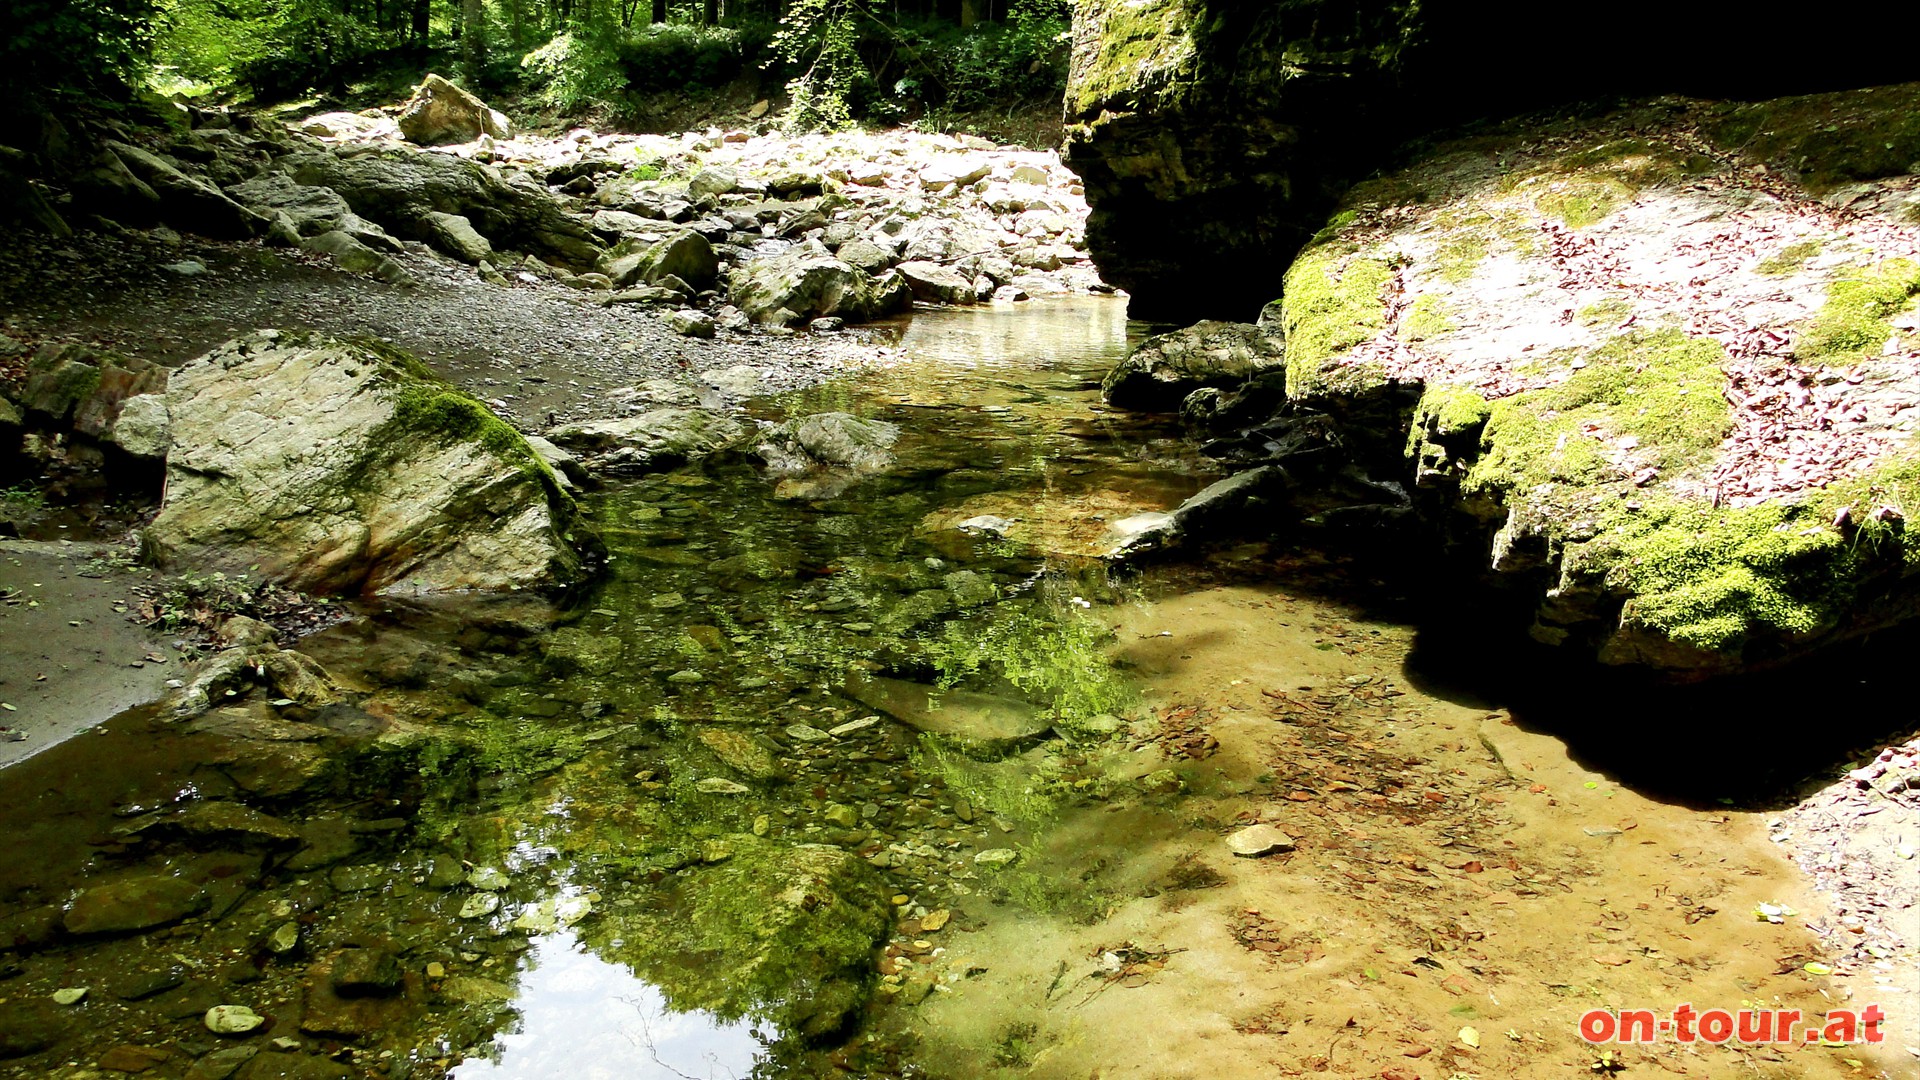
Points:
(852, 726)
(232, 1020)
(714, 785)
(488, 879)
(1000, 856)
(286, 938)
(1256, 840)
(479, 904)
(69, 995)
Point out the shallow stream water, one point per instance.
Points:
(821, 782)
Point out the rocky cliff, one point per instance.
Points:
(1214, 137)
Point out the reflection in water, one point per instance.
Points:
(1065, 331)
(586, 1019)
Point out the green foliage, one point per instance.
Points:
(1051, 654)
(65, 47)
(822, 35)
(577, 69)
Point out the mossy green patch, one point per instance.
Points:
(1853, 321)
(1427, 317)
(1663, 388)
(1710, 578)
(1829, 139)
(1141, 47)
(1790, 258)
(1610, 312)
(1581, 199)
(1639, 162)
(1330, 304)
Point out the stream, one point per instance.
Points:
(884, 775)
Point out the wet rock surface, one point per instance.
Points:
(390, 479)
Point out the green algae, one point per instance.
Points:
(1790, 258)
(1828, 139)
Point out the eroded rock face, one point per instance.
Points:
(1214, 136)
(402, 190)
(343, 468)
(1654, 371)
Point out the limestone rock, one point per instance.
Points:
(1165, 369)
(441, 112)
(937, 284)
(86, 390)
(807, 283)
(143, 427)
(133, 903)
(400, 189)
(685, 255)
(455, 235)
(345, 468)
(356, 257)
(652, 441)
(188, 202)
(836, 439)
(311, 210)
(1257, 840)
(990, 723)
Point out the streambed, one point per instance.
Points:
(693, 825)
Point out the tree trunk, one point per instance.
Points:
(659, 11)
(712, 14)
(473, 39)
(422, 9)
(969, 13)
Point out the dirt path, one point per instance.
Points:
(69, 657)
(1457, 880)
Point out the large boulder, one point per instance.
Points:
(185, 201)
(338, 467)
(1659, 390)
(403, 189)
(808, 283)
(311, 210)
(1158, 376)
(441, 112)
(835, 440)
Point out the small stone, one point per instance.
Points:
(444, 872)
(480, 904)
(69, 995)
(128, 1058)
(841, 816)
(285, 938)
(488, 879)
(806, 733)
(232, 1020)
(686, 677)
(963, 809)
(365, 973)
(1256, 840)
(222, 1064)
(436, 970)
(997, 857)
(934, 921)
(714, 785)
(852, 726)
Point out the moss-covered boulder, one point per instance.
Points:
(341, 467)
(1670, 393)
